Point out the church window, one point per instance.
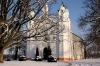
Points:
(62, 11)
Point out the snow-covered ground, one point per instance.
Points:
(33, 63)
(86, 62)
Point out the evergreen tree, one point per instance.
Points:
(37, 52)
(49, 51)
(45, 53)
(16, 53)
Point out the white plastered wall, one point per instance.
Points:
(64, 45)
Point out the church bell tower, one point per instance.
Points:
(64, 36)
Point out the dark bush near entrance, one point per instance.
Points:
(45, 53)
(49, 51)
(22, 58)
(8, 59)
(38, 58)
(51, 58)
(37, 52)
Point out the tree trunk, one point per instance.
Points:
(1, 57)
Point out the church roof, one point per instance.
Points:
(62, 5)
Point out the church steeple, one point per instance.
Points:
(45, 9)
(33, 11)
(63, 12)
(62, 4)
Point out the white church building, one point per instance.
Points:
(70, 46)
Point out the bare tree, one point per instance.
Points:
(90, 22)
(14, 17)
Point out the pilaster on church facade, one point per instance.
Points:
(65, 34)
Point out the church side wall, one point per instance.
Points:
(77, 47)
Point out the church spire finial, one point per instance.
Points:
(63, 4)
(33, 11)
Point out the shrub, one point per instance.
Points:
(37, 52)
(22, 58)
(8, 59)
(38, 58)
(51, 58)
(45, 53)
(49, 51)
